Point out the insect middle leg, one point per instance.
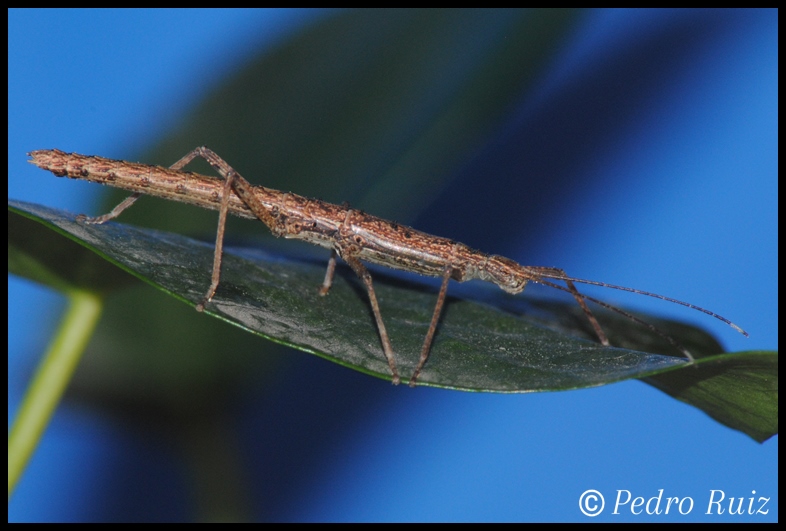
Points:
(347, 245)
(424, 352)
(331, 271)
(361, 271)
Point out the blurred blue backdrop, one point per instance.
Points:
(670, 115)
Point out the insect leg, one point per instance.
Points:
(130, 200)
(348, 245)
(424, 352)
(112, 214)
(556, 273)
(244, 190)
(365, 276)
(215, 277)
(590, 316)
(331, 271)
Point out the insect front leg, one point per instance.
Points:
(559, 274)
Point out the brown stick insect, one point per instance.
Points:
(349, 233)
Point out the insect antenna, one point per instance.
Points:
(676, 344)
(639, 292)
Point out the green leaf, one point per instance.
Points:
(43, 255)
(739, 390)
(477, 348)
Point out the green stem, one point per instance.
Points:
(50, 381)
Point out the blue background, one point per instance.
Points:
(682, 201)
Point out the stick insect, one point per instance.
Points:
(349, 233)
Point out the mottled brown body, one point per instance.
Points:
(352, 234)
(380, 241)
